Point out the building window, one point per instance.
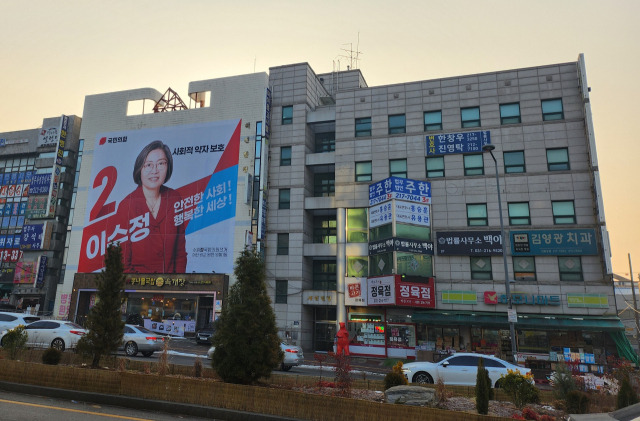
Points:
(558, 159)
(325, 142)
(474, 164)
(435, 166)
(519, 213)
(324, 229)
(397, 124)
(287, 114)
(510, 113)
(570, 268)
(398, 168)
(283, 244)
(481, 268)
(284, 199)
(552, 109)
(357, 225)
(282, 290)
(470, 117)
(524, 268)
(363, 171)
(513, 162)
(477, 214)
(363, 127)
(324, 185)
(563, 212)
(324, 275)
(432, 120)
(285, 156)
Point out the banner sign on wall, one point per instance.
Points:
(25, 273)
(448, 143)
(355, 291)
(402, 245)
(575, 242)
(401, 189)
(412, 213)
(42, 268)
(50, 136)
(32, 237)
(469, 243)
(37, 207)
(413, 294)
(176, 214)
(381, 290)
(10, 255)
(40, 184)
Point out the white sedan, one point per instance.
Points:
(293, 356)
(140, 339)
(52, 333)
(459, 369)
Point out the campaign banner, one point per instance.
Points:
(401, 189)
(469, 243)
(167, 195)
(448, 143)
(354, 291)
(40, 184)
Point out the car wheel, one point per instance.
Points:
(422, 378)
(285, 367)
(58, 344)
(147, 353)
(131, 349)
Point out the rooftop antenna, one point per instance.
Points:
(351, 55)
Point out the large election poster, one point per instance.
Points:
(167, 195)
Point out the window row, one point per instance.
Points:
(563, 211)
(524, 268)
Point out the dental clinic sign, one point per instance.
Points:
(493, 298)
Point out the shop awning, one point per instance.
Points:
(525, 321)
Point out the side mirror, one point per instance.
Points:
(445, 364)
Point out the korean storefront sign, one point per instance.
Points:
(320, 298)
(448, 143)
(588, 300)
(32, 237)
(401, 189)
(391, 290)
(469, 243)
(164, 281)
(40, 184)
(493, 298)
(381, 290)
(575, 242)
(404, 245)
(355, 291)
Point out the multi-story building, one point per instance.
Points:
(384, 214)
(38, 173)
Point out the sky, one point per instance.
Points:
(53, 53)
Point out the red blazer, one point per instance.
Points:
(162, 249)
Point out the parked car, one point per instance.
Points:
(293, 356)
(9, 320)
(459, 369)
(51, 333)
(203, 336)
(140, 339)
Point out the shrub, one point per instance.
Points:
(577, 402)
(530, 414)
(197, 368)
(14, 341)
(520, 388)
(483, 389)
(395, 377)
(51, 356)
(626, 395)
(343, 374)
(442, 392)
(563, 381)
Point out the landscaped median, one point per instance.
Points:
(212, 393)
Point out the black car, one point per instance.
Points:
(203, 336)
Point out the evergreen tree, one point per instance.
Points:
(104, 323)
(483, 389)
(247, 346)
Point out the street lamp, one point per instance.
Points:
(514, 348)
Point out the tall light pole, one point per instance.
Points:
(514, 347)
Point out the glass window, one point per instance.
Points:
(324, 185)
(470, 117)
(481, 268)
(510, 113)
(287, 114)
(474, 164)
(411, 264)
(325, 142)
(363, 171)
(435, 166)
(413, 232)
(363, 127)
(324, 275)
(519, 213)
(282, 290)
(324, 229)
(283, 244)
(524, 268)
(284, 199)
(563, 212)
(285, 156)
(357, 225)
(477, 214)
(358, 266)
(558, 159)
(552, 109)
(570, 268)
(513, 162)
(398, 168)
(397, 124)
(432, 120)
(381, 264)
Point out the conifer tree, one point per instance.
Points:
(483, 389)
(104, 323)
(247, 346)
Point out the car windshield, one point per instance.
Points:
(145, 330)
(73, 325)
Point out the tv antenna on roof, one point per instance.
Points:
(352, 56)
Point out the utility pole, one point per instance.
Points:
(635, 303)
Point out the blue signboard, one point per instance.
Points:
(42, 268)
(467, 142)
(40, 184)
(32, 237)
(401, 189)
(577, 242)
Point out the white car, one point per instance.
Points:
(140, 339)
(293, 356)
(10, 320)
(459, 369)
(52, 333)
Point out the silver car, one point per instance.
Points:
(293, 356)
(140, 339)
(10, 320)
(51, 333)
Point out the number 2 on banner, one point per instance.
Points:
(106, 177)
